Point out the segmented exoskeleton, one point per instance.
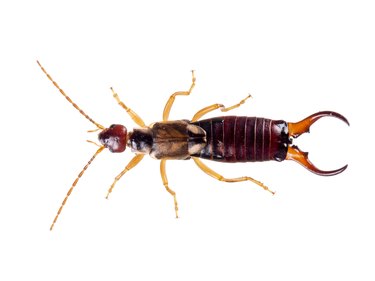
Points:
(224, 139)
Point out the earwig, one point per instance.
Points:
(226, 139)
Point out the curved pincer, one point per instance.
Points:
(297, 129)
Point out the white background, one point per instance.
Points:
(294, 57)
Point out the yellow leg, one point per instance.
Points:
(138, 120)
(134, 162)
(171, 99)
(165, 182)
(219, 177)
(213, 107)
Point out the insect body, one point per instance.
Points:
(253, 139)
(244, 139)
(224, 139)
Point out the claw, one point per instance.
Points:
(295, 154)
(297, 129)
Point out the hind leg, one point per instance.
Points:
(219, 177)
(215, 106)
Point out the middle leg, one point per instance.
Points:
(165, 183)
(168, 105)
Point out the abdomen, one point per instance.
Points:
(244, 139)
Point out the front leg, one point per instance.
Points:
(134, 162)
(138, 120)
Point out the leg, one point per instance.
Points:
(138, 120)
(219, 177)
(213, 107)
(171, 99)
(134, 162)
(165, 182)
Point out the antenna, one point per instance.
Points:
(69, 99)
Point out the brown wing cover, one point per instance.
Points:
(176, 140)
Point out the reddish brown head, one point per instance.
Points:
(114, 138)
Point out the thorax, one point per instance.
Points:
(168, 140)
